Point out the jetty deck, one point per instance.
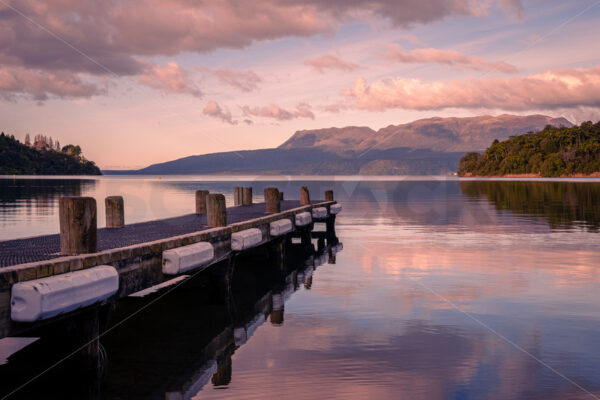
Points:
(131, 258)
(47, 247)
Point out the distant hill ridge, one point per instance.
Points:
(426, 146)
(435, 134)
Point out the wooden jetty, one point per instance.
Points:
(48, 279)
(203, 329)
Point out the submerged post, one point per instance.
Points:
(247, 196)
(216, 213)
(304, 196)
(237, 196)
(78, 225)
(201, 201)
(329, 195)
(115, 212)
(272, 200)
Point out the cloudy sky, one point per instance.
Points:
(140, 82)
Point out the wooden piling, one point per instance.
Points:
(272, 200)
(201, 201)
(277, 253)
(78, 225)
(280, 196)
(330, 226)
(83, 333)
(329, 195)
(238, 197)
(304, 196)
(224, 371)
(320, 243)
(115, 212)
(216, 213)
(247, 196)
(276, 317)
(306, 241)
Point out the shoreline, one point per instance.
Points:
(592, 175)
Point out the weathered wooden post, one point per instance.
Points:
(329, 195)
(277, 253)
(238, 196)
(224, 371)
(115, 212)
(304, 196)
(320, 243)
(216, 213)
(201, 201)
(276, 316)
(78, 225)
(306, 241)
(247, 196)
(78, 336)
(272, 200)
(308, 283)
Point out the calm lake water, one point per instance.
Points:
(444, 289)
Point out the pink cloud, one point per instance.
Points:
(116, 38)
(329, 61)
(41, 85)
(512, 7)
(170, 78)
(562, 88)
(398, 54)
(302, 110)
(411, 12)
(246, 81)
(113, 35)
(213, 109)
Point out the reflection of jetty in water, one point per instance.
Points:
(561, 204)
(186, 339)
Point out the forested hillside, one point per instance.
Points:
(551, 152)
(43, 157)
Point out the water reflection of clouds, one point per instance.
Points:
(368, 327)
(538, 290)
(435, 356)
(465, 272)
(423, 360)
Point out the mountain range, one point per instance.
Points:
(426, 146)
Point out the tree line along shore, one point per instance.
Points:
(42, 156)
(551, 152)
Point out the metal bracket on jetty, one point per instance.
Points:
(48, 278)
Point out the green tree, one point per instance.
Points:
(550, 152)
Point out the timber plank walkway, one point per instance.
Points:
(51, 278)
(47, 247)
